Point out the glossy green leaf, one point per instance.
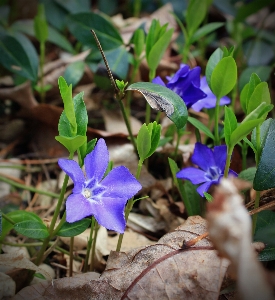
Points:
(163, 99)
(90, 146)
(32, 229)
(248, 174)
(74, 229)
(265, 175)
(205, 30)
(252, 84)
(40, 25)
(17, 216)
(17, 57)
(224, 76)
(143, 142)
(260, 95)
(215, 57)
(193, 196)
(158, 49)
(243, 98)
(71, 143)
(80, 26)
(230, 124)
(151, 36)
(265, 233)
(74, 72)
(195, 14)
(199, 125)
(258, 112)
(263, 133)
(74, 6)
(188, 203)
(243, 130)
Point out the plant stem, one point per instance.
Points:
(4, 216)
(228, 159)
(39, 258)
(217, 112)
(129, 207)
(28, 188)
(152, 75)
(94, 247)
(177, 145)
(89, 245)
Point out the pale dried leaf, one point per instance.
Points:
(7, 286)
(143, 223)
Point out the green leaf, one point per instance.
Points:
(248, 174)
(143, 142)
(260, 95)
(66, 95)
(162, 98)
(243, 130)
(243, 98)
(138, 40)
(205, 30)
(80, 114)
(253, 82)
(17, 216)
(73, 229)
(32, 229)
(151, 36)
(158, 49)
(155, 137)
(80, 26)
(40, 25)
(195, 14)
(258, 112)
(74, 72)
(230, 124)
(90, 146)
(193, 196)
(71, 143)
(18, 56)
(215, 57)
(199, 125)
(263, 134)
(224, 76)
(265, 233)
(265, 175)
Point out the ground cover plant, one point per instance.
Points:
(137, 149)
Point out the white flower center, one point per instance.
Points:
(87, 193)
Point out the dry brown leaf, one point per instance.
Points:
(163, 270)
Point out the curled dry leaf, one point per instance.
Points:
(160, 271)
(230, 230)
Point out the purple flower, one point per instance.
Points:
(185, 83)
(212, 165)
(104, 198)
(210, 100)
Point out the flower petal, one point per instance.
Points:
(77, 208)
(71, 168)
(96, 162)
(192, 94)
(182, 72)
(195, 175)
(194, 76)
(109, 213)
(158, 80)
(204, 187)
(219, 153)
(203, 157)
(120, 183)
(232, 173)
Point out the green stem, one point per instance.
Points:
(177, 145)
(152, 75)
(94, 247)
(128, 97)
(40, 255)
(129, 207)
(137, 7)
(62, 221)
(216, 128)
(4, 216)
(228, 160)
(244, 155)
(28, 188)
(89, 246)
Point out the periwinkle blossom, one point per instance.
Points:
(211, 164)
(104, 198)
(185, 83)
(210, 100)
